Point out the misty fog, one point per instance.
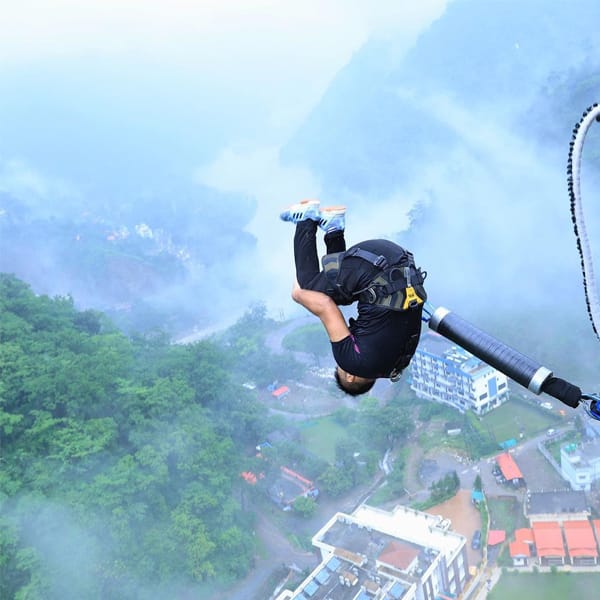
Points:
(447, 127)
(144, 160)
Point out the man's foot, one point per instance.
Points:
(333, 218)
(302, 211)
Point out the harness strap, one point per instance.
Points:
(378, 260)
(398, 286)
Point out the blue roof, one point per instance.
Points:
(333, 564)
(477, 495)
(397, 590)
(311, 588)
(323, 576)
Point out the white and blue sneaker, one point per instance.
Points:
(333, 218)
(302, 211)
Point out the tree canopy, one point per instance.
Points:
(120, 456)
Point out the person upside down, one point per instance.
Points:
(377, 274)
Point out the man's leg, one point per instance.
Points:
(308, 219)
(305, 255)
(335, 241)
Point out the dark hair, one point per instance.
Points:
(354, 388)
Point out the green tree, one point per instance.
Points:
(305, 506)
(335, 481)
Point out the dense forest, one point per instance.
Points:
(121, 455)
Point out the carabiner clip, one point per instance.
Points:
(591, 405)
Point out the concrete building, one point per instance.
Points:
(523, 548)
(450, 374)
(580, 464)
(380, 555)
(553, 543)
(559, 506)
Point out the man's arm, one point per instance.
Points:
(326, 309)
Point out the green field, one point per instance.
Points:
(506, 514)
(321, 435)
(515, 416)
(547, 586)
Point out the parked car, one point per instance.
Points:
(476, 541)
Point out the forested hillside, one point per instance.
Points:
(120, 457)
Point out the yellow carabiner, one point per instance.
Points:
(412, 299)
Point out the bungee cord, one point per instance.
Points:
(583, 246)
(520, 368)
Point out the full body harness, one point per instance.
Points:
(398, 285)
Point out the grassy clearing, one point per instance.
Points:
(546, 586)
(515, 417)
(434, 436)
(506, 513)
(320, 436)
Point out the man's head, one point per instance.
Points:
(352, 384)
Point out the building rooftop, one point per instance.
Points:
(336, 580)
(508, 466)
(519, 549)
(524, 535)
(556, 502)
(583, 454)
(377, 554)
(463, 361)
(359, 544)
(404, 523)
(548, 539)
(399, 555)
(579, 536)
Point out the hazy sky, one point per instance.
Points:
(107, 92)
(109, 98)
(282, 53)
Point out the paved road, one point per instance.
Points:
(279, 552)
(274, 339)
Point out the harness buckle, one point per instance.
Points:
(381, 262)
(371, 295)
(395, 375)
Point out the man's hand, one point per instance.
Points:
(325, 308)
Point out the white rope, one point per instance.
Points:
(573, 179)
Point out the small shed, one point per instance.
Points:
(281, 392)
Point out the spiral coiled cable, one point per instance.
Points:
(573, 180)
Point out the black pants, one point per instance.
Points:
(308, 267)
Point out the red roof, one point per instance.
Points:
(580, 538)
(496, 536)
(399, 555)
(522, 544)
(524, 535)
(548, 539)
(518, 549)
(284, 389)
(508, 466)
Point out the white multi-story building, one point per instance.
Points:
(375, 554)
(580, 464)
(450, 374)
